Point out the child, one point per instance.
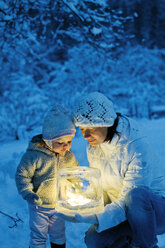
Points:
(36, 177)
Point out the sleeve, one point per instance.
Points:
(75, 162)
(137, 173)
(24, 174)
(70, 159)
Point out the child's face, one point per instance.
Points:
(62, 144)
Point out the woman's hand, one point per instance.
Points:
(70, 218)
(78, 218)
(92, 218)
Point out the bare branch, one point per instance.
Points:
(74, 10)
(1, 10)
(15, 220)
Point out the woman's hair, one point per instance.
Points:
(112, 130)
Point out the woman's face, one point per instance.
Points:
(94, 135)
(62, 144)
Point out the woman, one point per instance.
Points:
(133, 181)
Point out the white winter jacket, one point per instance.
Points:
(126, 162)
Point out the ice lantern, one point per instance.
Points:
(79, 190)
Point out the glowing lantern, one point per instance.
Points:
(79, 190)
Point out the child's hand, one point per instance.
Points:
(32, 198)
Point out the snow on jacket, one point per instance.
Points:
(37, 171)
(126, 162)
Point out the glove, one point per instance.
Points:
(91, 219)
(32, 198)
(66, 217)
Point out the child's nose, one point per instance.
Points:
(66, 145)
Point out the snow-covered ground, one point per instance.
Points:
(11, 203)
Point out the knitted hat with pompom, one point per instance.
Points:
(94, 110)
(57, 123)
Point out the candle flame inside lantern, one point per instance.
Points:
(77, 200)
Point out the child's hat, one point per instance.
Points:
(95, 109)
(57, 123)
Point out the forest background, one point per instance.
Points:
(53, 51)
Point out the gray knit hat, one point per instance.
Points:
(94, 110)
(57, 123)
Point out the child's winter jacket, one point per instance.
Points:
(37, 171)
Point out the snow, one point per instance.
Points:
(12, 203)
(3, 5)
(96, 31)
